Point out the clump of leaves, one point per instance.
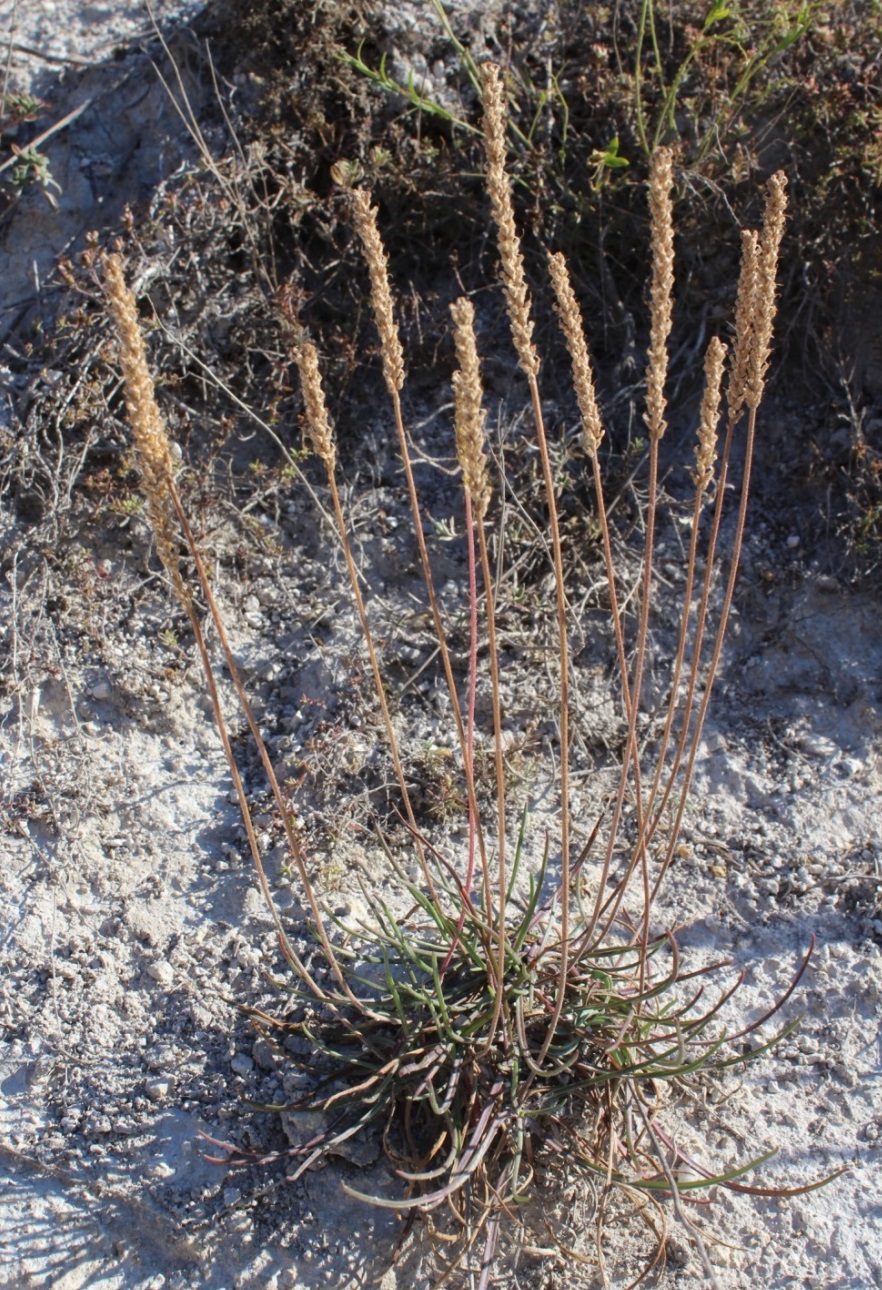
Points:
(470, 1117)
(17, 108)
(28, 166)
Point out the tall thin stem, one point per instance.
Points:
(321, 436)
(294, 844)
(502, 877)
(393, 370)
(705, 449)
(470, 726)
(717, 650)
(208, 671)
(564, 716)
(517, 296)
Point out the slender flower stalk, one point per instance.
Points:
(592, 432)
(322, 439)
(517, 296)
(154, 454)
(752, 348)
(705, 453)
(365, 217)
(661, 181)
(470, 435)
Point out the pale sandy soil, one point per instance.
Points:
(131, 925)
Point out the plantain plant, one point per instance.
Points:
(498, 1022)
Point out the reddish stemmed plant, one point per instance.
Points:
(504, 1020)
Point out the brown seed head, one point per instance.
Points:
(152, 445)
(470, 415)
(705, 450)
(567, 309)
(514, 280)
(317, 424)
(745, 313)
(774, 218)
(661, 180)
(381, 294)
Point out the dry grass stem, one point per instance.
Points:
(163, 501)
(755, 313)
(661, 294)
(514, 279)
(518, 302)
(470, 449)
(394, 370)
(583, 377)
(470, 415)
(705, 453)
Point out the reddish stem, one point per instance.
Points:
(470, 719)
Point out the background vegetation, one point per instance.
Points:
(738, 90)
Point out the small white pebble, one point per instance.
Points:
(817, 746)
(157, 1089)
(264, 1055)
(162, 972)
(242, 1064)
(161, 1171)
(793, 541)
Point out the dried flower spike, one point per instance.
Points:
(151, 437)
(470, 416)
(381, 294)
(514, 279)
(583, 377)
(745, 314)
(769, 246)
(662, 290)
(705, 451)
(318, 426)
